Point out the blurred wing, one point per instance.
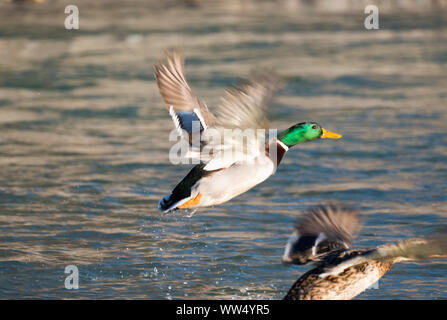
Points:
(331, 223)
(324, 229)
(184, 107)
(242, 107)
(413, 249)
(409, 249)
(246, 105)
(231, 146)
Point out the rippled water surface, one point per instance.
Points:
(84, 149)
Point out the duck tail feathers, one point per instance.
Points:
(167, 203)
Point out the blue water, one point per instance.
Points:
(84, 150)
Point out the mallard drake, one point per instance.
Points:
(324, 236)
(222, 175)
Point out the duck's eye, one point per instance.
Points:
(314, 126)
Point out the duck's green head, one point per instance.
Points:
(303, 132)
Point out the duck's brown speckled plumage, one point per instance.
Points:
(344, 286)
(324, 236)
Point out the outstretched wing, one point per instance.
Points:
(409, 249)
(243, 107)
(412, 249)
(184, 107)
(246, 105)
(242, 112)
(324, 229)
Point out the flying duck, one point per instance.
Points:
(234, 162)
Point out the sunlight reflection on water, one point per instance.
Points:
(84, 151)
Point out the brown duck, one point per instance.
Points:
(324, 236)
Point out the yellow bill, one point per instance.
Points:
(329, 135)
